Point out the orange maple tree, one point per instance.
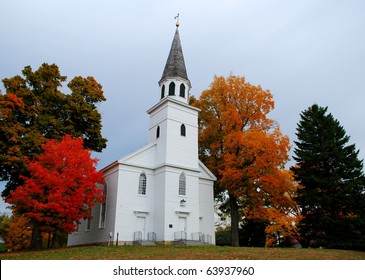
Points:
(283, 213)
(243, 147)
(19, 233)
(60, 190)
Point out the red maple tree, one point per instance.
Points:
(61, 189)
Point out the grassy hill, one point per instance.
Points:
(183, 253)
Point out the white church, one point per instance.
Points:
(162, 193)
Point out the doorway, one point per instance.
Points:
(182, 224)
(141, 226)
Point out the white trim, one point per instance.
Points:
(173, 100)
(182, 213)
(144, 213)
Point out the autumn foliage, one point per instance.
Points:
(19, 233)
(283, 214)
(33, 110)
(61, 188)
(245, 149)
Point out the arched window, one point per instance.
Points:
(163, 91)
(182, 90)
(103, 209)
(182, 184)
(172, 88)
(158, 132)
(142, 184)
(182, 130)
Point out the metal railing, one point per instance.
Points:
(201, 237)
(208, 239)
(137, 237)
(197, 236)
(151, 236)
(180, 235)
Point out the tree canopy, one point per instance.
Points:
(61, 188)
(243, 147)
(33, 110)
(332, 197)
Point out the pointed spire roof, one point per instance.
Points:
(175, 64)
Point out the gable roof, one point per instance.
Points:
(145, 158)
(205, 173)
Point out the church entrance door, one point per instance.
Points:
(141, 226)
(182, 226)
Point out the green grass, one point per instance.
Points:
(183, 253)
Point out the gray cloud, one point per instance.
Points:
(302, 51)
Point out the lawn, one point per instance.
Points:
(183, 253)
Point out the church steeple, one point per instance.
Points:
(175, 64)
(175, 81)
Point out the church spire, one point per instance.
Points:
(174, 77)
(175, 64)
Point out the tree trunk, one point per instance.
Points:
(54, 236)
(49, 240)
(36, 241)
(234, 221)
(304, 242)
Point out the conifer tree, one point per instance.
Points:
(332, 198)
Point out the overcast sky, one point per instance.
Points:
(304, 52)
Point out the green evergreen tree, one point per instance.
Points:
(332, 197)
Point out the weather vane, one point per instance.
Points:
(177, 20)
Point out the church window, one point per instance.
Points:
(77, 227)
(183, 130)
(163, 91)
(142, 184)
(182, 90)
(88, 224)
(182, 184)
(103, 209)
(158, 132)
(172, 88)
(88, 221)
